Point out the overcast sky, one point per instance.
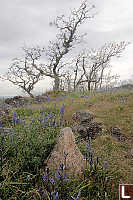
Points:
(26, 22)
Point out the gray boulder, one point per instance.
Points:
(84, 126)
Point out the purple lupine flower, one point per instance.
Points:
(122, 100)
(62, 167)
(91, 160)
(103, 91)
(52, 181)
(41, 108)
(54, 104)
(91, 153)
(105, 165)
(46, 122)
(40, 119)
(43, 193)
(14, 117)
(62, 109)
(1, 125)
(56, 196)
(19, 120)
(65, 176)
(61, 176)
(53, 123)
(48, 98)
(77, 198)
(33, 120)
(89, 149)
(60, 121)
(46, 178)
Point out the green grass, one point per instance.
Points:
(24, 153)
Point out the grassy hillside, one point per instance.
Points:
(36, 127)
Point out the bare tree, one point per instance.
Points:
(109, 81)
(66, 39)
(90, 66)
(22, 72)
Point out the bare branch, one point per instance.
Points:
(65, 39)
(23, 73)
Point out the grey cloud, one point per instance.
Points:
(26, 22)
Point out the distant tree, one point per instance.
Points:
(66, 39)
(109, 80)
(90, 65)
(22, 72)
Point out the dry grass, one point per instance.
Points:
(112, 114)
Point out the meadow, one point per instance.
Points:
(36, 126)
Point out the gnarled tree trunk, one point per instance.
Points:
(56, 83)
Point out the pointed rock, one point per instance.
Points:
(74, 160)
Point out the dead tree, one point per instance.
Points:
(110, 81)
(22, 72)
(66, 39)
(90, 66)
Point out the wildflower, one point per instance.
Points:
(14, 117)
(105, 165)
(46, 123)
(60, 121)
(43, 193)
(62, 167)
(89, 149)
(46, 178)
(52, 181)
(122, 100)
(41, 108)
(54, 104)
(91, 161)
(19, 120)
(40, 119)
(56, 196)
(48, 98)
(62, 109)
(1, 125)
(77, 198)
(60, 176)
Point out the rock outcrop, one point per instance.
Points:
(66, 144)
(15, 101)
(116, 133)
(84, 126)
(4, 111)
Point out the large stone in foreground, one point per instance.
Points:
(74, 160)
